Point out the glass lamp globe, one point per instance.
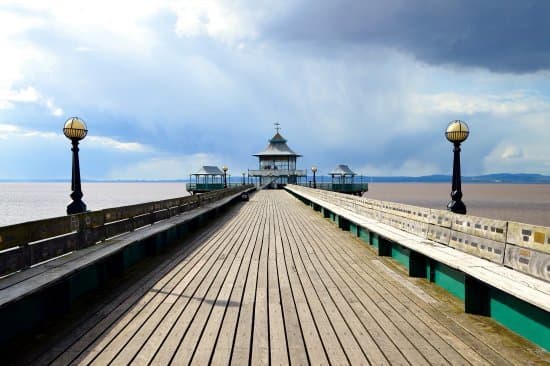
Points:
(75, 129)
(457, 131)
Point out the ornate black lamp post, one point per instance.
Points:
(224, 176)
(457, 132)
(75, 130)
(244, 174)
(314, 170)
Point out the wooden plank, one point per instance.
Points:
(373, 325)
(241, 351)
(424, 339)
(441, 331)
(209, 340)
(231, 319)
(316, 351)
(407, 339)
(95, 327)
(185, 301)
(101, 335)
(277, 339)
(150, 330)
(331, 342)
(297, 352)
(359, 344)
(278, 284)
(212, 301)
(260, 333)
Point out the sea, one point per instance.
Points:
(528, 203)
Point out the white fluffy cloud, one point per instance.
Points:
(172, 79)
(11, 131)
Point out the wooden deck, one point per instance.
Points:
(274, 282)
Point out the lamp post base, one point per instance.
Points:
(76, 207)
(457, 207)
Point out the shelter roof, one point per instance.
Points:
(277, 147)
(342, 169)
(209, 170)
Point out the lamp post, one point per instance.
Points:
(244, 174)
(457, 132)
(314, 170)
(75, 130)
(224, 176)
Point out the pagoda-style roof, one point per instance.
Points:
(277, 147)
(342, 170)
(209, 170)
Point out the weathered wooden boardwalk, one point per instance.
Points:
(274, 282)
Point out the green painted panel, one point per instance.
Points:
(364, 235)
(400, 254)
(450, 279)
(83, 281)
(353, 229)
(135, 252)
(523, 318)
(374, 239)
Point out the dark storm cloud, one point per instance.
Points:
(500, 35)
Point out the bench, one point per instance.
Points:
(498, 268)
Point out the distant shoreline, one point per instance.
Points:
(501, 178)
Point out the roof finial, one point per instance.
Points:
(277, 124)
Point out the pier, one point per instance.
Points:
(272, 281)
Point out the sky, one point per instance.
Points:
(168, 86)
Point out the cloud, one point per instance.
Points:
(525, 158)
(505, 104)
(410, 167)
(28, 95)
(10, 131)
(171, 167)
(368, 84)
(107, 142)
(512, 152)
(503, 36)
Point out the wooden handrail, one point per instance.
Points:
(26, 244)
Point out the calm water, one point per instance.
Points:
(20, 202)
(529, 203)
